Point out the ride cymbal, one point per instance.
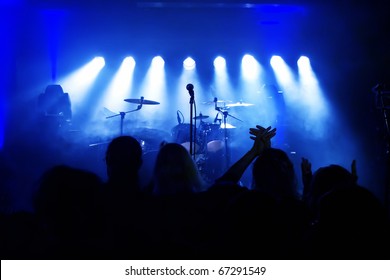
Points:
(239, 104)
(218, 101)
(143, 101)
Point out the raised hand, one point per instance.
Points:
(262, 138)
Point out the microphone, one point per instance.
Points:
(190, 88)
(215, 105)
(178, 117)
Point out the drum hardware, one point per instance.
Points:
(150, 138)
(239, 104)
(140, 101)
(227, 126)
(180, 134)
(99, 144)
(212, 140)
(200, 117)
(225, 113)
(219, 101)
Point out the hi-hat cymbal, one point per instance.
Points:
(200, 117)
(144, 101)
(228, 126)
(239, 104)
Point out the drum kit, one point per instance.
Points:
(211, 152)
(211, 138)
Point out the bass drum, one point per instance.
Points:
(213, 136)
(181, 135)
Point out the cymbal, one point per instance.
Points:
(218, 101)
(239, 104)
(200, 117)
(228, 126)
(145, 101)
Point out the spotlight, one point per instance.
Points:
(158, 62)
(189, 63)
(276, 61)
(248, 60)
(219, 63)
(250, 67)
(303, 62)
(98, 62)
(129, 61)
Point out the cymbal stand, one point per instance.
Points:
(123, 114)
(225, 115)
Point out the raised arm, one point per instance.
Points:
(262, 140)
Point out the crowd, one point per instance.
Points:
(77, 215)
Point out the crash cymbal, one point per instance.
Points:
(239, 104)
(145, 101)
(200, 117)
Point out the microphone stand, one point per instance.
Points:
(225, 114)
(190, 89)
(123, 114)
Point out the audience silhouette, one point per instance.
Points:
(67, 206)
(175, 172)
(351, 224)
(123, 162)
(77, 215)
(123, 201)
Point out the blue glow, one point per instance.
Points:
(250, 67)
(283, 73)
(303, 62)
(53, 20)
(189, 63)
(279, 8)
(221, 82)
(119, 87)
(2, 118)
(98, 63)
(153, 87)
(7, 37)
(313, 98)
(11, 2)
(129, 62)
(276, 61)
(158, 62)
(80, 81)
(219, 63)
